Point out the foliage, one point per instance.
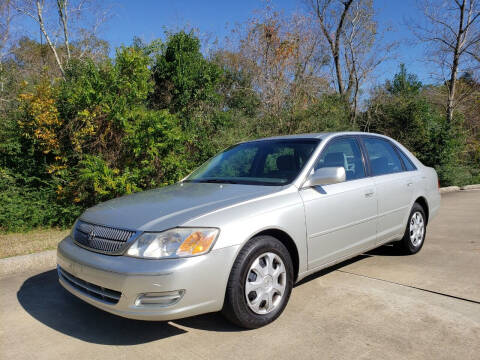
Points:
(236, 84)
(400, 110)
(41, 122)
(87, 138)
(25, 206)
(183, 77)
(282, 60)
(154, 112)
(404, 83)
(330, 112)
(120, 145)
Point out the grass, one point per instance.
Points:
(30, 242)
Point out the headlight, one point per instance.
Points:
(179, 242)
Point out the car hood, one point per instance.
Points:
(164, 208)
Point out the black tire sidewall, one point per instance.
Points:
(236, 308)
(406, 242)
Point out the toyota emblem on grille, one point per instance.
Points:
(91, 236)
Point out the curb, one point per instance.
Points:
(470, 187)
(15, 264)
(449, 189)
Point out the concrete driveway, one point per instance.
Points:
(378, 305)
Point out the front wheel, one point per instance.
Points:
(415, 232)
(260, 283)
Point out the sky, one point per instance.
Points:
(148, 19)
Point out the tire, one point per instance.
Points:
(415, 231)
(251, 272)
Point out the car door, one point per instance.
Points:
(340, 218)
(394, 187)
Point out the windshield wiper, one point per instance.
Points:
(218, 181)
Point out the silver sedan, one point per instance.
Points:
(237, 233)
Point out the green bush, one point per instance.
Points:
(183, 77)
(25, 207)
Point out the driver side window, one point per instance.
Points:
(345, 153)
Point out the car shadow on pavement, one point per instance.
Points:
(209, 322)
(45, 299)
(384, 250)
(330, 269)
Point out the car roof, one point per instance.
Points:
(320, 136)
(298, 136)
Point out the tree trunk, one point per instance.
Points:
(455, 62)
(62, 13)
(334, 42)
(451, 90)
(336, 49)
(44, 31)
(338, 69)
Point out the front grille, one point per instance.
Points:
(106, 295)
(100, 238)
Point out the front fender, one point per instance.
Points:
(282, 211)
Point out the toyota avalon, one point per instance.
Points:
(237, 233)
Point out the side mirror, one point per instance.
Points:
(326, 176)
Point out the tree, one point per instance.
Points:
(113, 144)
(6, 18)
(35, 10)
(451, 30)
(183, 77)
(467, 112)
(401, 109)
(349, 28)
(236, 84)
(283, 57)
(404, 83)
(87, 16)
(332, 17)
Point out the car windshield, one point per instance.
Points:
(264, 162)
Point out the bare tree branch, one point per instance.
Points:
(320, 8)
(70, 30)
(35, 12)
(451, 32)
(356, 48)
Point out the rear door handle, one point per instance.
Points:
(410, 184)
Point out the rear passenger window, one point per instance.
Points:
(383, 157)
(345, 153)
(406, 161)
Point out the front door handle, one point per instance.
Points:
(410, 184)
(369, 193)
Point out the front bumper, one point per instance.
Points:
(202, 280)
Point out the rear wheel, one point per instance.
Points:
(260, 283)
(415, 231)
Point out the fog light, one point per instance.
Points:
(166, 298)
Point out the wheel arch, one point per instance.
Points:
(289, 243)
(422, 201)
